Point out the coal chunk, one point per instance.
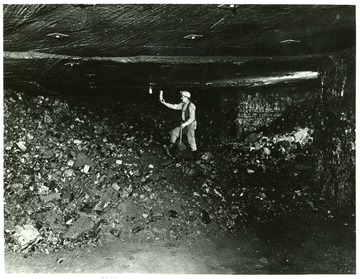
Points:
(173, 213)
(205, 217)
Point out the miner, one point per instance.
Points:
(187, 126)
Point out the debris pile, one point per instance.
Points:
(79, 175)
(273, 171)
(73, 177)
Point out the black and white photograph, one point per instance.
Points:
(177, 138)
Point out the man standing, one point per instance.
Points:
(187, 126)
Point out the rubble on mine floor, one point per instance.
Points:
(78, 175)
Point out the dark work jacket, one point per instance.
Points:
(187, 111)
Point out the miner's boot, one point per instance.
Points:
(170, 150)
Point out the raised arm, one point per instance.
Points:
(172, 106)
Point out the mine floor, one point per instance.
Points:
(289, 246)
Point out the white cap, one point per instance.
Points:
(185, 94)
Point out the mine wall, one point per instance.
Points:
(326, 108)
